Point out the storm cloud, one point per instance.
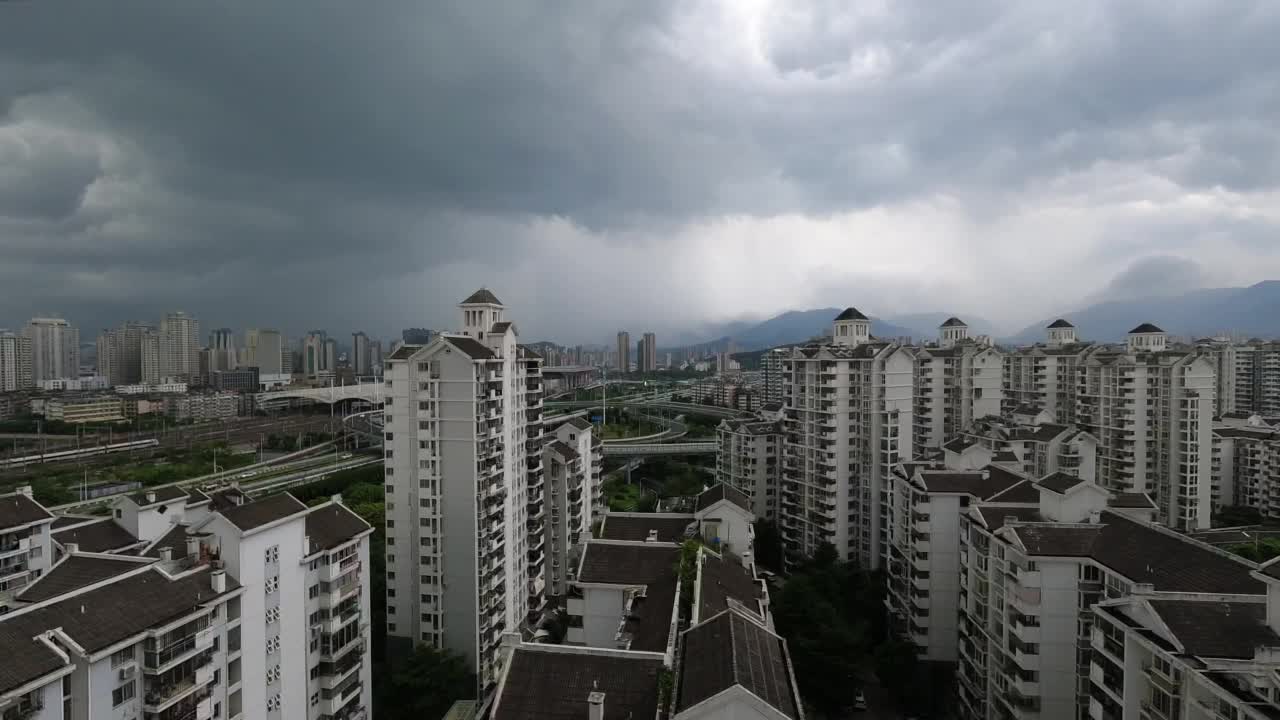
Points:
(659, 165)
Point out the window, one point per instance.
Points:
(315, 698)
(314, 592)
(273, 703)
(124, 693)
(272, 584)
(273, 644)
(272, 554)
(273, 674)
(120, 657)
(119, 513)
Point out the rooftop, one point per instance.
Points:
(483, 296)
(101, 536)
(850, 314)
(995, 516)
(77, 571)
(1132, 500)
(636, 526)
(255, 514)
(553, 682)
(728, 650)
(1217, 629)
(1059, 482)
(404, 352)
(978, 483)
(616, 563)
(333, 524)
(16, 510)
(175, 540)
(1145, 328)
(723, 578)
(162, 495)
(470, 347)
(1060, 323)
(1023, 492)
(953, 322)
(565, 450)
(721, 491)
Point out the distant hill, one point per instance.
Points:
(925, 325)
(1252, 311)
(798, 326)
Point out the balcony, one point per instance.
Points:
(24, 710)
(333, 595)
(187, 683)
(10, 549)
(333, 572)
(335, 701)
(164, 658)
(334, 674)
(196, 707)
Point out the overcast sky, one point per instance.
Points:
(610, 163)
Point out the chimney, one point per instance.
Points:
(25, 490)
(595, 705)
(193, 547)
(166, 554)
(653, 536)
(218, 579)
(1094, 517)
(71, 548)
(151, 496)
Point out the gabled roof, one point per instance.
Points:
(500, 328)
(77, 571)
(1023, 492)
(721, 491)
(553, 682)
(994, 516)
(99, 537)
(481, 297)
(850, 314)
(579, 423)
(257, 513)
(635, 527)
(981, 484)
(953, 322)
(16, 509)
(333, 524)
(1134, 500)
(196, 496)
(1217, 629)
(723, 581)
(404, 352)
(1059, 482)
(1060, 323)
(175, 540)
(564, 449)
(730, 649)
(627, 563)
(1145, 328)
(162, 495)
(470, 347)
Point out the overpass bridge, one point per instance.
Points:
(365, 392)
(647, 449)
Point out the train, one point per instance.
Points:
(64, 455)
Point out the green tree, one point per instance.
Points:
(825, 642)
(768, 545)
(896, 665)
(425, 685)
(50, 492)
(1260, 551)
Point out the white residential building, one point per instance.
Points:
(1257, 378)
(15, 362)
(771, 373)
(573, 502)
(1246, 465)
(1043, 375)
(848, 409)
(229, 609)
(465, 488)
(55, 349)
(179, 344)
(749, 459)
(1151, 410)
(26, 544)
(956, 382)
(1029, 443)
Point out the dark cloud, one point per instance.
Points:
(1154, 277)
(322, 164)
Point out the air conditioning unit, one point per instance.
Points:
(128, 672)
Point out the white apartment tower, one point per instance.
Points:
(360, 353)
(956, 382)
(1151, 411)
(179, 344)
(848, 420)
(465, 488)
(1257, 378)
(573, 500)
(55, 349)
(749, 459)
(1043, 376)
(15, 362)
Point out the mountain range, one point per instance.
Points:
(1252, 311)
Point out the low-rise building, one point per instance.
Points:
(84, 408)
(203, 407)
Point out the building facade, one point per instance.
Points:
(624, 351)
(749, 458)
(15, 362)
(956, 381)
(1257, 378)
(465, 488)
(360, 357)
(179, 344)
(573, 502)
(55, 349)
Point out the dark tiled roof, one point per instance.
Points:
(1060, 323)
(195, 496)
(1040, 433)
(649, 622)
(627, 563)
(470, 347)
(1132, 500)
(994, 516)
(637, 527)
(730, 650)
(66, 521)
(75, 572)
(98, 619)
(566, 451)
(528, 353)
(1005, 456)
(1023, 492)
(404, 352)
(850, 314)
(1145, 554)
(1252, 433)
(262, 512)
(958, 445)
(333, 524)
(1218, 629)
(175, 540)
(1059, 482)
(18, 509)
(228, 498)
(481, 297)
(953, 322)
(721, 491)
(978, 483)
(724, 579)
(1027, 409)
(163, 495)
(579, 423)
(549, 684)
(1146, 328)
(102, 536)
(500, 327)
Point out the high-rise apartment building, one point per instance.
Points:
(647, 353)
(313, 354)
(1223, 354)
(15, 362)
(330, 355)
(464, 475)
(848, 407)
(375, 357)
(1246, 465)
(150, 358)
(179, 345)
(771, 374)
(269, 352)
(55, 349)
(624, 351)
(1151, 410)
(1043, 375)
(222, 344)
(749, 458)
(361, 361)
(956, 381)
(120, 353)
(415, 336)
(573, 498)
(1257, 378)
